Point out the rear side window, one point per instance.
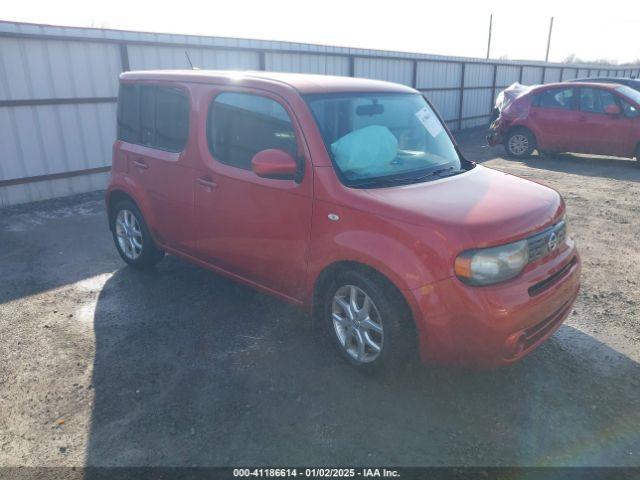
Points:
(241, 125)
(157, 117)
(172, 119)
(560, 99)
(595, 100)
(128, 114)
(147, 116)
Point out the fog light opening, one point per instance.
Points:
(514, 345)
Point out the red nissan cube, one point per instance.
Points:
(348, 197)
(580, 117)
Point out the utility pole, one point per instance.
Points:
(490, 27)
(546, 58)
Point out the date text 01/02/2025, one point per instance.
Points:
(315, 472)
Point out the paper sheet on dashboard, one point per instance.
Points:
(430, 121)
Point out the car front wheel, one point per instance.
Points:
(368, 324)
(520, 143)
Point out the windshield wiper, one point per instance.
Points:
(441, 172)
(381, 182)
(389, 182)
(447, 172)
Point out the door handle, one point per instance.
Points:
(141, 164)
(207, 182)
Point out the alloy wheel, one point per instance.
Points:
(357, 324)
(129, 234)
(518, 144)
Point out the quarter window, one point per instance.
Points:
(241, 125)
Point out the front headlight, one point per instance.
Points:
(492, 265)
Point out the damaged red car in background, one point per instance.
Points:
(600, 119)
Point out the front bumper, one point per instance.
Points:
(496, 132)
(486, 327)
(494, 138)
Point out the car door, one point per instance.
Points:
(257, 228)
(553, 119)
(603, 132)
(160, 164)
(630, 123)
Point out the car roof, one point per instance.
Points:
(606, 80)
(606, 86)
(303, 83)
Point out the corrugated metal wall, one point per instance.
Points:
(58, 88)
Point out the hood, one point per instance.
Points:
(489, 206)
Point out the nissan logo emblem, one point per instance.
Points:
(552, 243)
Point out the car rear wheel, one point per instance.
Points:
(368, 324)
(520, 143)
(131, 236)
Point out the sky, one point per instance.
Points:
(589, 30)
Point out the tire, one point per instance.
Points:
(394, 331)
(638, 156)
(520, 143)
(131, 236)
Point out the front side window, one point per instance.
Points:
(630, 110)
(378, 139)
(241, 125)
(560, 99)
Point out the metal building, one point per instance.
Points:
(58, 88)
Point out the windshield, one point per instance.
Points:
(377, 139)
(630, 93)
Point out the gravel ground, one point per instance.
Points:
(103, 365)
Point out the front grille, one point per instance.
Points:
(552, 280)
(539, 244)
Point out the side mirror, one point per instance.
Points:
(612, 110)
(274, 163)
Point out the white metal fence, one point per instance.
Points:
(58, 88)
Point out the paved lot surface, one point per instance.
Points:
(103, 365)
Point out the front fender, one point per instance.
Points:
(408, 255)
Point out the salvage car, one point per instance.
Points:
(348, 197)
(601, 119)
